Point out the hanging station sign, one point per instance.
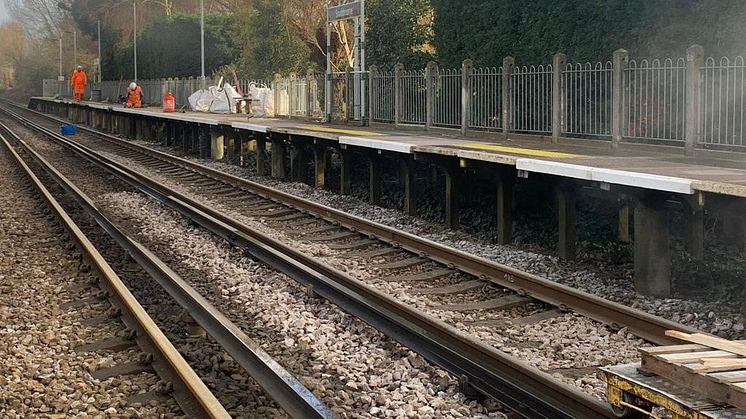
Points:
(344, 11)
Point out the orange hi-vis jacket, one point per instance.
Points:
(79, 80)
(134, 97)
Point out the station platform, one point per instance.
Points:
(644, 183)
(664, 169)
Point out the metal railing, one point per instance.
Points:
(485, 112)
(531, 99)
(413, 97)
(691, 102)
(654, 99)
(722, 103)
(587, 99)
(447, 100)
(383, 96)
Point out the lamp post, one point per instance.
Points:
(134, 35)
(202, 39)
(100, 64)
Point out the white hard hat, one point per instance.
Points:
(133, 85)
(80, 67)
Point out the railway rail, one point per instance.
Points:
(278, 383)
(190, 392)
(519, 386)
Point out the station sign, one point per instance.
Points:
(344, 11)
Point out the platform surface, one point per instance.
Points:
(668, 170)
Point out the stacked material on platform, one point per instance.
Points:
(215, 100)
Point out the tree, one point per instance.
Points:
(399, 31)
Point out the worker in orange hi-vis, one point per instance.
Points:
(79, 81)
(134, 96)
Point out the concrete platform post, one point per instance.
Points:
(261, 152)
(431, 72)
(407, 170)
(453, 172)
(217, 144)
(620, 60)
(558, 93)
(138, 128)
(205, 146)
(319, 164)
(398, 74)
(298, 163)
(623, 232)
(467, 68)
(695, 240)
(695, 58)
(278, 158)
(345, 182)
(566, 208)
(652, 253)
(507, 94)
(505, 183)
(375, 170)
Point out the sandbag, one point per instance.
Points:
(262, 101)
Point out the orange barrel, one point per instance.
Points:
(169, 103)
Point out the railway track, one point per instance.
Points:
(403, 259)
(193, 396)
(189, 391)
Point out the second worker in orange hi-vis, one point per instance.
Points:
(78, 81)
(134, 96)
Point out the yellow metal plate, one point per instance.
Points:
(520, 150)
(341, 131)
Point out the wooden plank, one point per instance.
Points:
(728, 377)
(706, 369)
(693, 356)
(672, 349)
(711, 341)
(422, 276)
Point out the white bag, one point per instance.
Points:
(200, 100)
(262, 101)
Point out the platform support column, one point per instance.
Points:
(453, 172)
(138, 128)
(695, 240)
(374, 178)
(407, 170)
(217, 144)
(278, 158)
(261, 152)
(623, 232)
(319, 163)
(505, 183)
(566, 211)
(298, 163)
(652, 253)
(620, 58)
(205, 148)
(345, 182)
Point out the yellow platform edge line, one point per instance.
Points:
(520, 150)
(341, 131)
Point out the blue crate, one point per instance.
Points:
(68, 129)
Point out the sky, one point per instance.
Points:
(3, 12)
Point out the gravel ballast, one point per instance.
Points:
(41, 374)
(351, 366)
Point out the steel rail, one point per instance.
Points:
(191, 393)
(516, 384)
(649, 327)
(280, 385)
